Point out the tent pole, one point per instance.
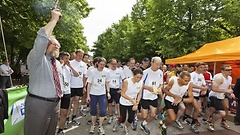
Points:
(5, 48)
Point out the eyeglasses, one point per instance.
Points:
(57, 45)
(228, 70)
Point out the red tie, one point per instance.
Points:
(56, 78)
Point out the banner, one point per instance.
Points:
(14, 125)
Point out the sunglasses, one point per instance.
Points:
(228, 70)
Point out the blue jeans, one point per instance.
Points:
(101, 100)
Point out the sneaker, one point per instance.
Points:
(186, 122)
(134, 124)
(75, 121)
(198, 122)
(162, 116)
(211, 126)
(97, 121)
(87, 109)
(157, 116)
(160, 124)
(163, 129)
(121, 125)
(92, 129)
(115, 125)
(89, 122)
(145, 129)
(110, 120)
(101, 131)
(224, 124)
(66, 123)
(60, 133)
(179, 124)
(194, 128)
(205, 122)
(126, 130)
(82, 113)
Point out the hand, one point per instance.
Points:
(204, 88)
(68, 63)
(108, 96)
(135, 107)
(229, 91)
(232, 96)
(55, 14)
(84, 89)
(88, 99)
(134, 102)
(177, 99)
(119, 91)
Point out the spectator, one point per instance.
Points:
(6, 72)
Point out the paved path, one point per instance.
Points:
(83, 129)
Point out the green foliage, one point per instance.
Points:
(22, 19)
(170, 28)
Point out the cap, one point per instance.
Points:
(172, 65)
(146, 59)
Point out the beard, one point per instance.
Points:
(54, 53)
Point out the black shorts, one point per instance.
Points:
(206, 95)
(146, 103)
(169, 105)
(65, 101)
(197, 98)
(216, 103)
(76, 92)
(114, 95)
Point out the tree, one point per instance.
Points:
(22, 19)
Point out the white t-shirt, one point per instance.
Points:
(127, 72)
(152, 79)
(177, 90)
(98, 81)
(89, 70)
(197, 79)
(66, 79)
(225, 85)
(116, 77)
(81, 68)
(132, 91)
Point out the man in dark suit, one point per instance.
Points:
(237, 94)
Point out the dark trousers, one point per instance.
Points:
(5, 82)
(237, 117)
(41, 117)
(24, 79)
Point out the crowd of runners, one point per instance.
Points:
(174, 94)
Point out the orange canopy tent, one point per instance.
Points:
(220, 52)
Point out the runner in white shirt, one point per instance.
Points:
(199, 87)
(221, 88)
(128, 70)
(98, 86)
(174, 93)
(153, 85)
(116, 79)
(89, 71)
(68, 70)
(130, 96)
(77, 83)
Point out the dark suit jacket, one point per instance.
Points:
(236, 89)
(3, 108)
